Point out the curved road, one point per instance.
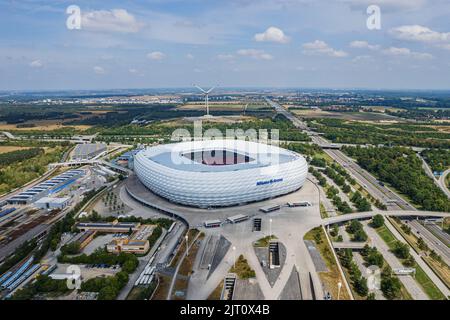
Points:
(442, 183)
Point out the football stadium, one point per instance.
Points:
(219, 173)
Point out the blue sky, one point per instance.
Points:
(174, 43)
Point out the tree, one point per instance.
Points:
(391, 287)
(107, 293)
(361, 286)
(377, 221)
(422, 245)
(360, 236)
(371, 296)
(401, 250)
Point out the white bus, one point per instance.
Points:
(270, 208)
(237, 218)
(300, 204)
(212, 223)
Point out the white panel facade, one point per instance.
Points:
(207, 186)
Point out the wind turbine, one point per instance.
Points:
(206, 93)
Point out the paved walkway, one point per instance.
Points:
(408, 281)
(420, 262)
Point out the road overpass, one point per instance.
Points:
(77, 163)
(370, 214)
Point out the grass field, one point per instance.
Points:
(264, 242)
(332, 276)
(215, 295)
(360, 116)
(41, 126)
(242, 269)
(387, 236)
(323, 212)
(163, 288)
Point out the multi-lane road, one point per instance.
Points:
(392, 200)
(432, 241)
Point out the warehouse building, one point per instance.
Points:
(46, 188)
(113, 227)
(48, 203)
(128, 245)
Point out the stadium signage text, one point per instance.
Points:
(260, 183)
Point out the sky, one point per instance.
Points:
(230, 43)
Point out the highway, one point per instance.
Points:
(364, 178)
(392, 200)
(439, 233)
(279, 109)
(432, 241)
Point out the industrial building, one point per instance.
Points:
(87, 151)
(128, 245)
(127, 158)
(47, 188)
(217, 173)
(86, 238)
(48, 203)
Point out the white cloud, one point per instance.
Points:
(36, 64)
(421, 34)
(319, 47)
(190, 56)
(115, 20)
(363, 45)
(99, 70)
(405, 52)
(133, 71)
(272, 34)
(254, 53)
(156, 55)
(362, 58)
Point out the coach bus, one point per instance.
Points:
(270, 208)
(212, 223)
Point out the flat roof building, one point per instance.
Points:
(113, 227)
(46, 188)
(128, 245)
(88, 151)
(52, 203)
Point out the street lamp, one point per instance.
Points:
(339, 288)
(234, 258)
(270, 228)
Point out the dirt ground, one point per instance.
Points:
(5, 149)
(46, 125)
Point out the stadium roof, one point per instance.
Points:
(172, 156)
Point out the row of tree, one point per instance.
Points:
(402, 169)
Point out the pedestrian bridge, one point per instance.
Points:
(396, 213)
(77, 163)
